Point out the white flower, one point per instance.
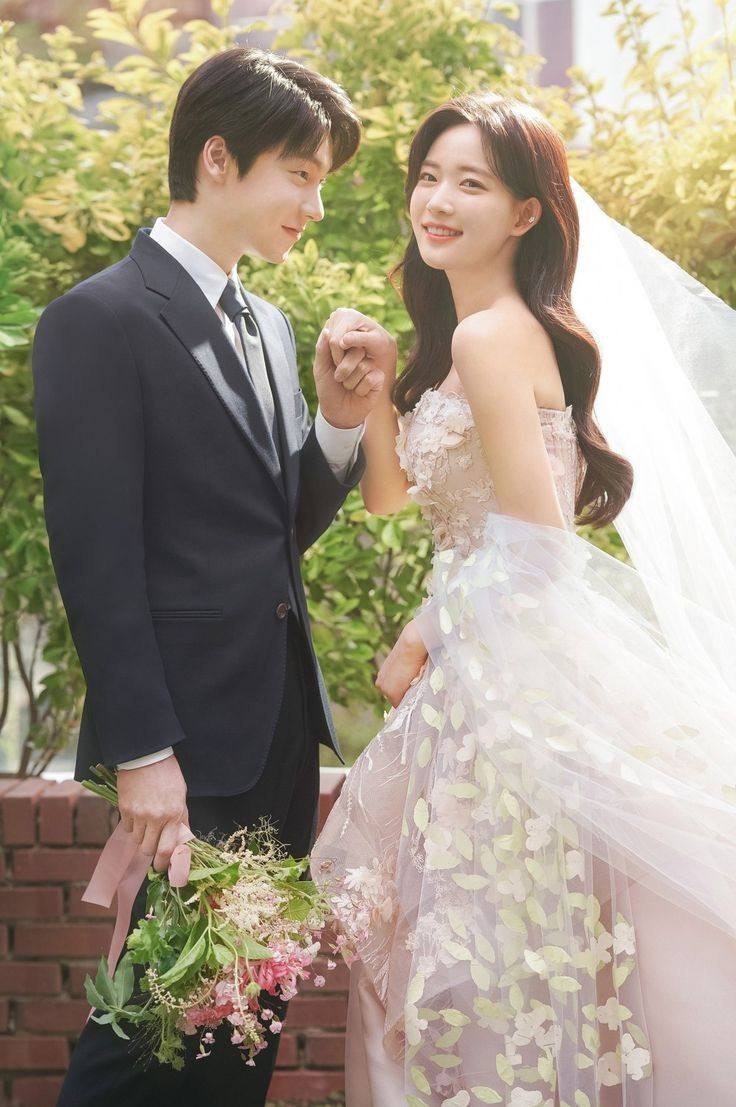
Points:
(512, 1056)
(551, 1037)
(355, 879)
(528, 1024)
(609, 1070)
(624, 938)
(484, 811)
(599, 947)
(538, 833)
(413, 1025)
(520, 1098)
(513, 885)
(462, 1099)
(635, 1058)
(610, 1015)
(574, 865)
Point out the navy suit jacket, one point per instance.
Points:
(174, 535)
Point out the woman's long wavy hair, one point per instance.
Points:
(528, 157)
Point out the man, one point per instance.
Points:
(182, 481)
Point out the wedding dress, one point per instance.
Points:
(534, 863)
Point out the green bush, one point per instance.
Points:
(72, 194)
(665, 163)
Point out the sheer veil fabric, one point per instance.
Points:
(535, 860)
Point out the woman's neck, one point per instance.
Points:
(474, 291)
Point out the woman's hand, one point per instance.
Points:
(403, 666)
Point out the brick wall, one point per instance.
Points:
(51, 834)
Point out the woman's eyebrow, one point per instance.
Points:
(462, 168)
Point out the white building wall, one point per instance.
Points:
(575, 32)
(595, 48)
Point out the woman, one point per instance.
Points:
(533, 862)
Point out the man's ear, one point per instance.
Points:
(215, 158)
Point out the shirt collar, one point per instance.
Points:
(200, 266)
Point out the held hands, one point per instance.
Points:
(354, 366)
(153, 803)
(403, 666)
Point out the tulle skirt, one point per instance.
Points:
(534, 862)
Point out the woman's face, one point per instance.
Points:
(461, 214)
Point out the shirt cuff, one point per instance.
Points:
(147, 759)
(339, 445)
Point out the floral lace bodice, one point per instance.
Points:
(440, 450)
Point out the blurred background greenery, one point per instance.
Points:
(83, 137)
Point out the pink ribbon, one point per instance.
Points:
(121, 869)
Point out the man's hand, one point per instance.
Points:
(153, 802)
(403, 666)
(354, 366)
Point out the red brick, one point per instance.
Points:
(288, 1055)
(33, 1053)
(28, 978)
(36, 1091)
(19, 812)
(305, 1085)
(41, 866)
(325, 1012)
(77, 974)
(94, 820)
(64, 940)
(77, 909)
(31, 903)
(56, 812)
(326, 1051)
(330, 786)
(4, 1014)
(65, 1016)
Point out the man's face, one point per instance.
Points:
(268, 209)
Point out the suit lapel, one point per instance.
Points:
(191, 318)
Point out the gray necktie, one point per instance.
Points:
(255, 362)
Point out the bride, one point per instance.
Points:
(534, 863)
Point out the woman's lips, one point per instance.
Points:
(445, 234)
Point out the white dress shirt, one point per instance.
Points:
(339, 446)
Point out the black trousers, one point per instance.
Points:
(104, 1070)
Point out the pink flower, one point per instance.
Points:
(209, 1038)
(331, 965)
(236, 1038)
(319, 981)
(276, 1026)
(267, 1013)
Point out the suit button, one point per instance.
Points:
(282, 611)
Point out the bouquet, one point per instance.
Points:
(224, 949)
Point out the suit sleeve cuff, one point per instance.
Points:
(147, 759)
(339, 446)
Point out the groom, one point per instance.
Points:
(182, 482)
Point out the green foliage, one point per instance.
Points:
(396, 59)
(665, 162)
(73, 192)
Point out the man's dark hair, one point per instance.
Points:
(256, 101)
